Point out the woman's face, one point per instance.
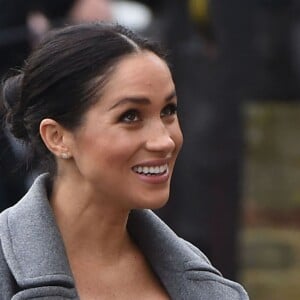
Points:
(126, 148)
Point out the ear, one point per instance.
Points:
(53, 136)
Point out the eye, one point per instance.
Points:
(169, 110)
(130, 116)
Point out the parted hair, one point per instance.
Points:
(63, 77)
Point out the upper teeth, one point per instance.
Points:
(151, 169)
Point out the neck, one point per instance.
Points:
(90, 226)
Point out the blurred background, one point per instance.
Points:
(236, 65)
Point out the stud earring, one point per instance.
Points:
(65, 155)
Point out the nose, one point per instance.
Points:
(159, 139)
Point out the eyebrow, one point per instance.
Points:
(141, 100)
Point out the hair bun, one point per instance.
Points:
(14, 116)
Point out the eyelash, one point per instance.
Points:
(133, 115)
(132, 112)
(172, 107)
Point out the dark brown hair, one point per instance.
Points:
(62, 76)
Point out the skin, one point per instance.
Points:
(133, 124)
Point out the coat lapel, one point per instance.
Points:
(183, 269)
(170, 256)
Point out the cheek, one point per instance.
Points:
(177, 136)
(116, 149)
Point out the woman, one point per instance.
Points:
(100, 104)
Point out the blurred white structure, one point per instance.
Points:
(131, 14)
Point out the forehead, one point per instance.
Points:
(139, 71)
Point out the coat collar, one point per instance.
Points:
(171, 257)
(35, 253)
(31, 241)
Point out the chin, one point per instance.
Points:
(158, 205)
(152, 201)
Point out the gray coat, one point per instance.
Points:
(34, 265)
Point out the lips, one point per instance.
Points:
(149, 170)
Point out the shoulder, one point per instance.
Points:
(33, 262)
(7, 281)
(210, 279)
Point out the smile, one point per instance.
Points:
(151, 170)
